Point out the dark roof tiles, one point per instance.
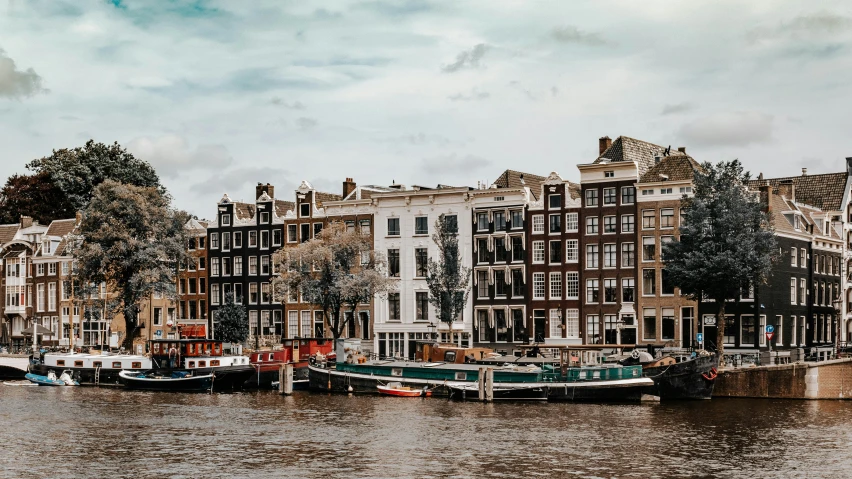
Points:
(823, 191)
(675, 168)
(512, 179)
(7, 233)
(643, 153)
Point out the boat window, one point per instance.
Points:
(190, 348)
(450, 356)
(191, 364)
(116, 365)
(214, 362)
(136, 365)
(271, 356)
(461, 376)
(396, 372)
(156, 348)
(78, 364)
(202, 364)
(97, 364)
(216, 349)
(60, 362)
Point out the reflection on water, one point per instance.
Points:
(86, 432)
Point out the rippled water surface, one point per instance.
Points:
(87, 432)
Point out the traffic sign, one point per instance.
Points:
(769, 336)
(770, 329)
(699, 337)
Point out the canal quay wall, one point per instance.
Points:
(819, 380)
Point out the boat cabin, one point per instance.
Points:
(293, 350)
(428, 351)
(96, 361)
(185, 348)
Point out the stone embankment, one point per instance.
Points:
(803, 380)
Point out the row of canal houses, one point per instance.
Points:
(552, 261)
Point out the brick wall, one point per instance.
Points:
(827, 380)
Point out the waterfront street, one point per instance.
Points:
(91, 432)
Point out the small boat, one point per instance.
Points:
(535, 392)
(183, 381)
(397, 389)
(50, 379)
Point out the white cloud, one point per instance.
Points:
(729, 129)
(15, 83)
(171, 154)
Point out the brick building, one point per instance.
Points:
(192, 286)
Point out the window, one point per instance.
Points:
(264, 240)
(304, 210)
(40, 269)
(803, 258)
(517, 248)
(214, 266)
(628, 289)
(538, 224)
(51, 297)
(421, 300)
(518, 286)
(226, 241)
(592, 255)
(649, 282)
(609, 196)
(482, 221)
(226, 219)
(265, 293)
(591, 197)
(517, 219)
(610, 224)
(747, 330)
(421, 262)
(482, 253)
(593, 329)
(685, 189)
(793, 290)
(238, 265)
(499, 221)
(538, 251)
(628, 195)
(393, 307)
(500, 283)
(628, 223)
(305, 232)
(264, 265)
(482, 284)
(555, 223)
(649, 324)
(276, 237)
(668, 324)
(610, 329)
(592, 225)
(648, 219)
(665, 191)
(628, 255)
(291, 235)
(667, 218)
(253, 293)
(214, 240)
(610, 255)
(451, 223)
(252, 262)
(238, 239)
(610, 290)
(51, 269)
(482, 324)
(572, 323)
(555, 251)
(649, 248)
(421, 225)
(555, 323)
(667, 285)
(555, 285)
(572, 285)
(538, 285)
(571, 222)
(393, 263)
(501, 324)
(803, 288)
(572, 254)
(593, 290)
(500, 250)
(647, 192)
(214, 294)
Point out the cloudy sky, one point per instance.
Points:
(221, 95)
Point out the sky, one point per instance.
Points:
(220, 95)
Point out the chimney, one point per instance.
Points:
(787, 189)
(26, 221)
(760, 176)
(261, 189)
(348, 187)
(766, 197)
(804, 172)
(603, 144)
(681, 149)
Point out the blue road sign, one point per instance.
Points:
(699, 337)
(770, 328)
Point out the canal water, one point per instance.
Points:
(108, 433)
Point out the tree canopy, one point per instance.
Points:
(337, 270)
(133, 240)
(33, 195)
(447, 277)
(231, 322)
(726, 240)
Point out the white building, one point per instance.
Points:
(404, 223)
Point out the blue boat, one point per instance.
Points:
(183, 381)
(50, 379)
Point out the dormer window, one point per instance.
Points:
(609, 174)
(226, 220)
(797, 222)
(305, 210)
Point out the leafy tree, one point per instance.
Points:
(78, 171)
(448, 279)
(133, 240)
(33, 195)
(232, 321)
(337, 270)
(726, 240)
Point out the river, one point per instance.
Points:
(112, 433)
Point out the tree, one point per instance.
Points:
(232, 322)
(33, 195)
(77, 172)
(726, 240)
(337, 270)
(448, 279)
(131, 239)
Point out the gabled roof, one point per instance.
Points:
(822, 191)
(643, 153)
(61, 227)
(244, 211)
(512, 179)
(365, 192)
(322, 197)
(282, 207)
(675, 168)
(7, 233)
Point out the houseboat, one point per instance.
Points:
(299, 351)
(95, 368)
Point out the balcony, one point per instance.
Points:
(15, 310)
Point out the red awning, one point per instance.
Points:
(193, 331)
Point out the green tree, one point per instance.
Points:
(78, 171)
(33, 195)
(231, 322)
(447, 278)
(131, 239)
(726, 240)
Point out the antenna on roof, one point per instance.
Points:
(669, 149)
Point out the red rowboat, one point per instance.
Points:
(397, 389)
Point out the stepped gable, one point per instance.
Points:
(512, 179)
(643, 153)
(282, 207)
(824, 191)
(675, 168)
(7, 233)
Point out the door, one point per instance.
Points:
(538, 325)
(687, 334)
(708, 327)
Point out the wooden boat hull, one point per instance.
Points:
(200, 383)
(620, 390)
(691, 379)
(405, 393)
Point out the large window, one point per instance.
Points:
(500, 289)
(667, 287)
(538, 285)
(592, 225)
(648, 219)
(667, 218)
(538, 251)
(593, 329)
(628, 223)
(393, 263)
(393, 307)
(628, 195)
(501, 324)
(610, 329)
(793, 290)
(555, 251)
(747, 331)
(610, 255)
(572, 254)
(421, 262)
(610, 224)
(516, 218)
(572, 323)
(482, 284)
(482, 224)
(668, 323)
(610, 290)
(628, 290)
(649, 282)
(538, 224)
(554, 201)
(649, 324)
(730, 331)
(555, 321)
(609, 196)
(393, 227)
(593, 287)
(421, 225)
(572, 285)
(518, 283)
(500, 253)
(592, 197)
(628, 255)
(592, 255)
(555, 285)
(555, 223)
(649, 248)
(517, 248)
(421, 299)
(483, 255)
(482, 324)
(571, 222)
(499, 221)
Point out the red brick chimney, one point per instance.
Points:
(603, 144)
(348, 187)
(787, 189)
(261, 189)
(26, 221)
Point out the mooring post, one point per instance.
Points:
(481, 383)
(489, 385)
(287, 379)
(281, 376)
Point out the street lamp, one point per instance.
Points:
(432, 329)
